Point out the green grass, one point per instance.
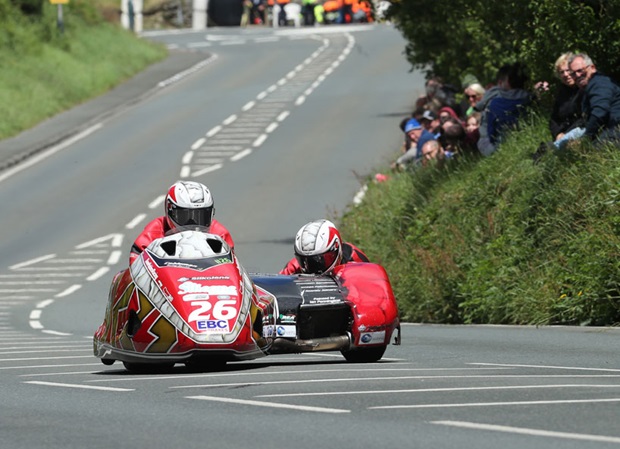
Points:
(45, 72)
(499, 239)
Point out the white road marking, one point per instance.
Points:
(272, 405)
(241, 155)
(195, 146)
(68, 291)
(434, 390)
(526, 431)
(492, 404)
(576, 368)
(136, 221)
(157, 202)
(230, 119)
(208, 169)
(85, 387)
(115, 256)
(99, 273)
(32, 261)
(213, 131)
(249, 105)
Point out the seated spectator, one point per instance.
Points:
(452, 136)
(601, 102)
(433, 153)
(504, 110)
(419, 136)
(472, 132)
(430, 122)
(446, 113)
(437, 95)
(473, 94)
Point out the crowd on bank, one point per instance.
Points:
(306, 12)
(446, 122)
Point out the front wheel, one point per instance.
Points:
(364, 355)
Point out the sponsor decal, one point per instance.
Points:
(205, 278)
(213, 326)
(180, 265)
(372, 338)
(289, 318)
(286, 331)
(269, 331)
(194, 287)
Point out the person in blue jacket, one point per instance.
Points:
(601, 100)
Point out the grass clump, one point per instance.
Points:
(47, 70)
(500, 239)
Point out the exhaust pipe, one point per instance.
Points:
(311, 345)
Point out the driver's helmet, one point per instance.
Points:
(189, 203)
(318, 247)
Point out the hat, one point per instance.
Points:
(429, 115)
(412, 124)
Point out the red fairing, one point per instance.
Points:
(368, 288)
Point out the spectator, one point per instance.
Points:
(430, 122)
(452, 136)
(419, 136)
(437, 95)
(472, 132)
(473, 94)
(601, 101)
(504, 109)
(307, 11)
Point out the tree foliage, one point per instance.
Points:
(457, 37)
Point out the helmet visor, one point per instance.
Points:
(187, 217)
(317, 264)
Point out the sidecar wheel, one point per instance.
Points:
(108, 361)
(365, 355)
(148, 368)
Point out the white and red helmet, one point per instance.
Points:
(318, 247)
(189, 203)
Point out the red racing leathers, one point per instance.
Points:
(158, 228)
(350, 253)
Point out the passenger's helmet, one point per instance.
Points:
(318, 247)
(189, 203)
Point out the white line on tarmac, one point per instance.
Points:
(135, 222)
(491, 404)
(576, 368)
(272, 405)
(85, 387)
(526, 431)
(32, 261)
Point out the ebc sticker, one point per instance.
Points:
(372, 338)
(213, 326)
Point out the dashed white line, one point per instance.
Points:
(97, 274)
(213, 131)
(85, 387)
(32, 261)
(208, 169)
(241, 155)
(157, 202)
(133, 223)
(283, 116)
(115, 256)
(230, 119)
(300, 100)
(197, 144)
(259, 140)
(249, 105)
(271, 128)
(68, 291)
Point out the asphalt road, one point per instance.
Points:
(283, 126)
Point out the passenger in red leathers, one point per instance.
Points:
(319, 248)
(188, 203)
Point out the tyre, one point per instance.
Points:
(148, 368)
(204, 365)
(107, 361)
(365, 355)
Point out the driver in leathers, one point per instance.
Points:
(188, 203)
(319, 249)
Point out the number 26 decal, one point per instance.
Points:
(223, 310)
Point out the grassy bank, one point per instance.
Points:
(46, 71)
(501, 240)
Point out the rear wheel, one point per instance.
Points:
(148, 368)
(364, 355)
(202, 365)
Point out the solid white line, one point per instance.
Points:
(97, 274)
(32, 261)
(48, 358)
(48, 366)
(491, 404)
(266, 404)
(49, 152)
(435, 390)
(526, 431)
(55, 332)
(68, 291)
(85, 387)
(133, 223)
(577, 368)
